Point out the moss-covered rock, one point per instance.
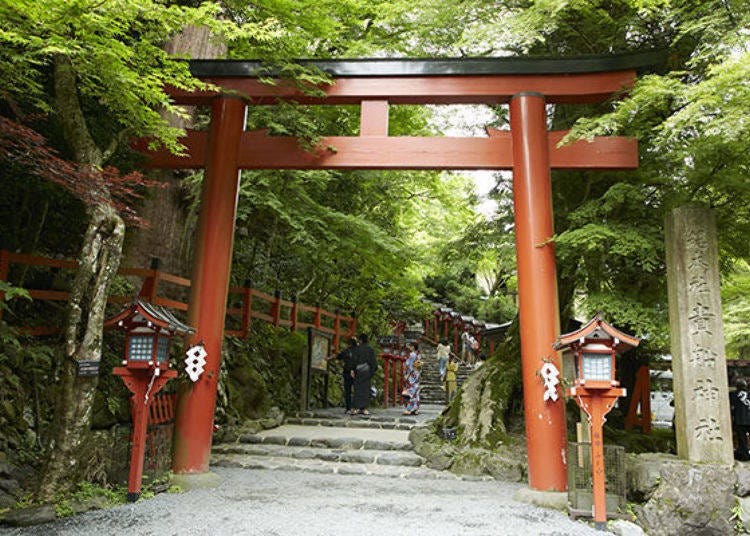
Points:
(261, 371)
(489, 399)
(690, 499)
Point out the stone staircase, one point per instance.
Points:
(327, 441)
(432, 390)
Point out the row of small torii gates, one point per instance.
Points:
(528, 85)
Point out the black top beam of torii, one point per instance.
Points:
(641, 62)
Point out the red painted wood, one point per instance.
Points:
(537, 291)
(316, 321)
(51, 295)
(208, 296)
(276, 310)
(150, 286)
(259, 151)
(177, 280)
(247, 312)
(641, 396)
(35, 260)
(172, 304)
(293, 314)
(262, 316)
(482, 89)
(137, 382)
(386, 372)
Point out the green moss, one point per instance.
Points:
(261, 371)
(636, 442)
(490, 402)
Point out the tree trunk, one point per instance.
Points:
(98, 264)
(99, 260)
(172, 224)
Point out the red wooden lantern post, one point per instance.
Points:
(148, 333)
(596, 390)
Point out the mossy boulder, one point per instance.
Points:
(261, 370)
(489, 400)
(691, 499)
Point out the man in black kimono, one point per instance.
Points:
(365, 365)
(347, 360)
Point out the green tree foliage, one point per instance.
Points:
(98, 70)
(735, 295)
(690, 118)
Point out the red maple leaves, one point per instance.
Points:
(26, 147)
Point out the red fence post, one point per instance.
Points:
(150, 285)
(4, 268)
(400, 382)
(492, 347)
(276, 308)
(386, 371)
(435, 330)
(293, 314)
(247, 308)
(316, 320)
(446, 327)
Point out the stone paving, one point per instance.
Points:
(332, 475)
(328, 441)
(296, 503)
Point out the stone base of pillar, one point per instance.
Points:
(196, 480)
(546, 499)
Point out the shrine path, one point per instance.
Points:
(286, 503)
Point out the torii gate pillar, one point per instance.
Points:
(210, 284)
(537, 290)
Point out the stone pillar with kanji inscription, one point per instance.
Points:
(702, 420)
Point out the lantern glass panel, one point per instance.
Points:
(162, 349)
(141, 347)
(597, 366)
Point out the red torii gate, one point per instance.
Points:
(528, 149)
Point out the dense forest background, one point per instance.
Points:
(84, 76)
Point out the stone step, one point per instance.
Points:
(341, 468)
(355, 422)
(347, 453)
(330, 437)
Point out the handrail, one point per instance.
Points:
(276, 311)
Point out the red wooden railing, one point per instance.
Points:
(393, 376)
(254, 304)
(434, 332)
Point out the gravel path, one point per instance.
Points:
(296, 503)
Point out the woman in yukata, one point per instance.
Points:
(413, 375)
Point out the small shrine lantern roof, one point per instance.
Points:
(140, 313)
(597, 329)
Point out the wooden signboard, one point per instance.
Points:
(319, 346)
